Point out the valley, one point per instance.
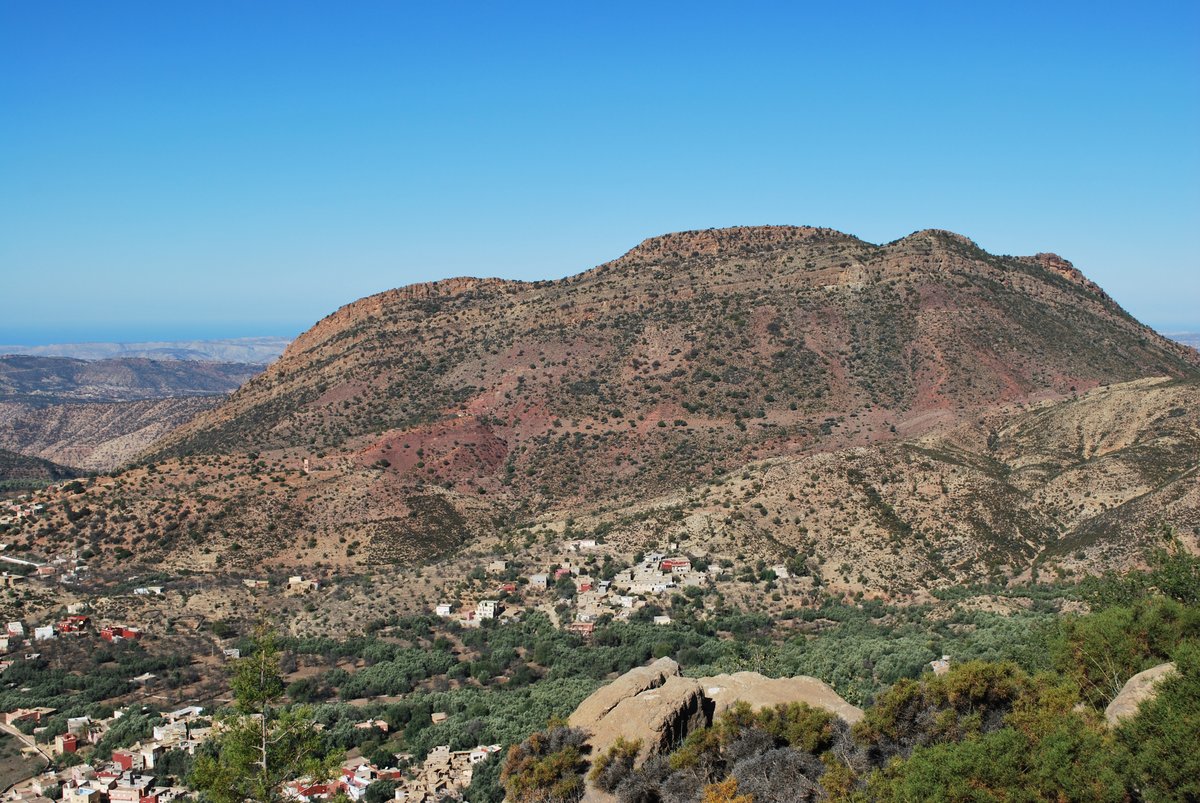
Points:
(460, 508)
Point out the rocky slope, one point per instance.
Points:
(18, 470)
(99, 415)
(97, 436)
(1057, 488)
(901, 415)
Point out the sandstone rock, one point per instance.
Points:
(632, 683)
(1138, 688)
(657, 706)
(660, 718)
(762, 692)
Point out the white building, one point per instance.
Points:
(486, 609)
(44, 633)
(445, 609)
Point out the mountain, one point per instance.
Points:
(97, 415)
(53, 380)
(759, 338)
(1187, 338)
(22, 471)
(411, 422)
(96, 436)
(253, 350)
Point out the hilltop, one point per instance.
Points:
(874, 388)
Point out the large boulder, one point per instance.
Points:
(643, 678)
(657, 706)
(1137, 689)
(764, 692)
(659, 718)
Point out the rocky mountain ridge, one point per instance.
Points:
(783, 390)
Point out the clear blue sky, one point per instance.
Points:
(183, 169)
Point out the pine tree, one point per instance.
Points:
(261, 744)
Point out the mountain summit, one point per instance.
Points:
(410, 421)
(760, 331)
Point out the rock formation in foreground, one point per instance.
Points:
(659, 707)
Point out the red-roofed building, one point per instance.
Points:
(676, 565)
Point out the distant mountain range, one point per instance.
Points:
(98, 414)
(720, 386)
(1187, 338)
(253, 350)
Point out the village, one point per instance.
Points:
(589, 599)
(579, 585)
(131, 774)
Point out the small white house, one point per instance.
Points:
(445, 609)
(581, 545)
(662, 620)
(538, 581)
(43, 633)
(486, 609)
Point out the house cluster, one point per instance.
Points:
(470, 616)
(73, 624)
(620, 597)
(84, 783)
(444, 774)
(19, 510)
(128, 777)
(356, 776)
(442, 777)
(658, 573)
(298, 584)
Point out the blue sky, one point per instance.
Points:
(191, 169)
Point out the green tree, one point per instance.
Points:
(260, 745)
